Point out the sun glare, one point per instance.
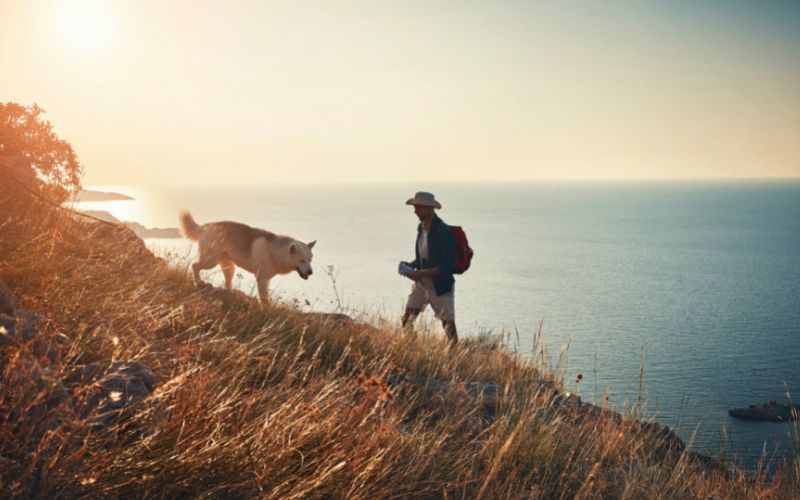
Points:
(84, 26)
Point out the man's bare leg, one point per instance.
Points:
(450, 329)
(409, 315)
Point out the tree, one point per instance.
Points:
(32, 153)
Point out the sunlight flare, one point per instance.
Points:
(85, 27)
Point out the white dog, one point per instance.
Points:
(260, 252)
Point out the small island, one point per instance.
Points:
(771, 411)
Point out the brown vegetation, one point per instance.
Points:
(271, 402)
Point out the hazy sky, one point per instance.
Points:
(234, 92)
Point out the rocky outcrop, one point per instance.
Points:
(770, 411)
(487, 394)
(19, 327)
(491, 397)
(16, 326)
(104, 390)
(134, 245)
(98, 392)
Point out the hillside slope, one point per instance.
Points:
(270, 402)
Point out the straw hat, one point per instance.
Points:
(425, 199)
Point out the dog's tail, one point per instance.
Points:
(189, 228)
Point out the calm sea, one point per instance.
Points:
(699, 281)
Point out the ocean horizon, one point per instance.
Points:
(696, 282)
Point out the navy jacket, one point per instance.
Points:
(441, 254)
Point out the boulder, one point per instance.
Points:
(123, 235)
(19, 328)
(8, 327)
(489, 395)
(109, 388)
(27, 374)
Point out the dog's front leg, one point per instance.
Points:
(263, 289)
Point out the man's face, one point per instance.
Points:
(422, 211)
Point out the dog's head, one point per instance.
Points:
(300, 256)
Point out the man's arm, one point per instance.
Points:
(424, 273)
(415, 263)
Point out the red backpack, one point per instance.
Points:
(463, 252)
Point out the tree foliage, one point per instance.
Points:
(32, 153)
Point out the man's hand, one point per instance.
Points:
(424, 273)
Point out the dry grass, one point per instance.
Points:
(274, 403)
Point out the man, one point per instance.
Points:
(433, 267)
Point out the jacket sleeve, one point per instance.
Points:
(415, 263)
(448, 242)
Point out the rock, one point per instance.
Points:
(122, 235)
(669, 441)
(46, 381)
(488, 394)
(52, 391)
(110, 388)
(19, 328)
(27, 325)
(8, 326)
(770, 411)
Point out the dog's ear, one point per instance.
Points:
(292, 248)
(311, 245)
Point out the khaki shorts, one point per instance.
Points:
(423, 293)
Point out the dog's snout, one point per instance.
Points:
(310, 271)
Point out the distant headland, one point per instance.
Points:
(88, 195)
(140, 230)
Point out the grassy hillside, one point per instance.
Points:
(275, 403)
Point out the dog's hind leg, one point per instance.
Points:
(228, 269)
(203, 262)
